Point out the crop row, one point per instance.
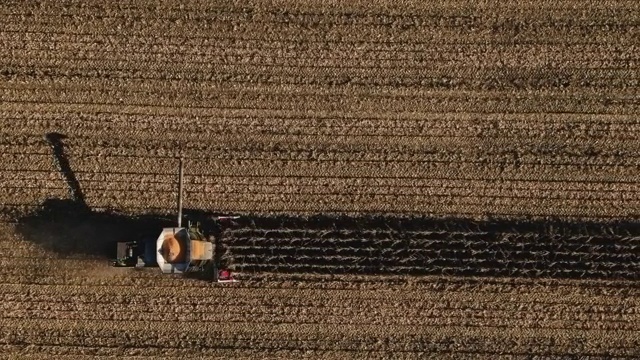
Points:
(372, 158)
(91, 127)
(442, 15)
(393, 340)
(161, 183)
(449, 101)
(259, 347)
(441, 78)
(598, 67)
(511, 53)
(399, 319)
(330, 170)
(369, 225)
(425, 195)
(342, 26)
(306, 306)
(428, 255)
(429, 239)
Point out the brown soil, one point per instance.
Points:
(461, 109)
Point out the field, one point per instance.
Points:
(448, 180)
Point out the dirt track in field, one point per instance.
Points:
(486, 114)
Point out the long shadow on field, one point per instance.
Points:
(365, 244)
(60, 157)
(68, 228)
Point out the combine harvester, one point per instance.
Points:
(177, 249)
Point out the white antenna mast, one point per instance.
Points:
(180, 185)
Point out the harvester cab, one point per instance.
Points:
(176, 250)
(127, 254)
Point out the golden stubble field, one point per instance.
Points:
(490, 113)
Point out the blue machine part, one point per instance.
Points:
(149, 251)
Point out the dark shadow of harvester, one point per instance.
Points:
(340, 244)
(68, 227)
(57, 146)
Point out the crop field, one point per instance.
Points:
(449, 179)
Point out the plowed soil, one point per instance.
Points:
(475, 166)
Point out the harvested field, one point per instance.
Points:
(416, 246)
(449, 180)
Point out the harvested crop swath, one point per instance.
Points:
(430, 246)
